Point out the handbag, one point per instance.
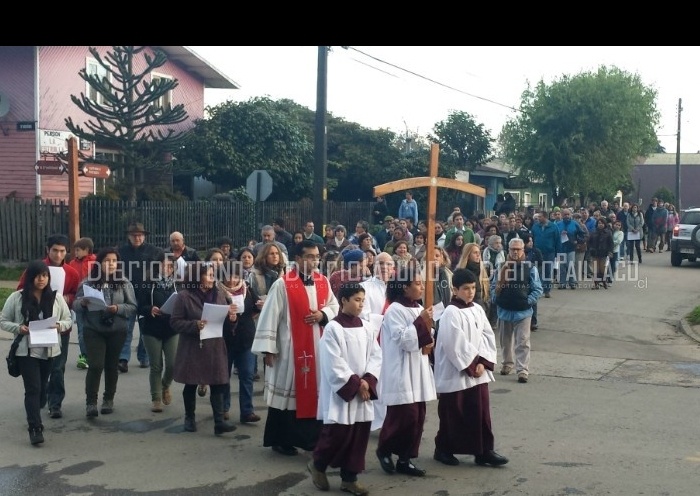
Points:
(12, 363)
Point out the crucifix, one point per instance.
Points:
(432, 182)
(305, 369)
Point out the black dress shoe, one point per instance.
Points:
(408, 468)
(490, 458)
(445, 458)
(285, 450)
(386, 462)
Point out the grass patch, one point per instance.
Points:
(694, 316)
(8, 273)
(4, 293)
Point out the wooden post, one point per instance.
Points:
(433, 182)
(73, 192)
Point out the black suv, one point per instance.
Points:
(686, 238)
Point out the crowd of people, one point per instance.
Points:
(347, 341)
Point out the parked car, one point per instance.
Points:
(685, 243)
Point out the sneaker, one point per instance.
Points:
(506, 370)
(82, 362)
(123, 366)
(353, 488)
(91, 410)
(107, 407)
(55, 413)
(319, 478)
(522, 377)
(36, 435)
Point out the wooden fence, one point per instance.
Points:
(25, 225)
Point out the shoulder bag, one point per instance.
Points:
(12, 363)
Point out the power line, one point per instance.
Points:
(413, 73)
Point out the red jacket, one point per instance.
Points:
(70, 286)
(82, 265)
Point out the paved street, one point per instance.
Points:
(611, 408)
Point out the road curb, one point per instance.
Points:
(689, 330)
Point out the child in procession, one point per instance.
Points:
(465, 357)
(351, 361)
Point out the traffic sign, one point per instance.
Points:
(259, 185)
(97, 171)
(49, 167)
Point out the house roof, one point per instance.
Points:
(494, 168)
(669, 159)
(212, 77)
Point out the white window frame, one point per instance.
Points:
(166, 100)
(542, 200)
(516, 197)
(92, 66)
(527, 198)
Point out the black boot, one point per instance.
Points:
(36, 435)
(217, 406)
(190, 405)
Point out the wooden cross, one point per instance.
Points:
(433, 182)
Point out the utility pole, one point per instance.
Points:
(320, 143)
(73, 192)
(678, 159)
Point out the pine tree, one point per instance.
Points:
(127, 116)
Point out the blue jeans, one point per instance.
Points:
(244, 361)
(56, 390)
(141, 354)
(623, 247)
(78, 319)
(547, 269)
(567, 269)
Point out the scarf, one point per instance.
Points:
(303, 343)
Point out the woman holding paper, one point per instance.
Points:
(201, 352)
(106, 300)
(34, 302)
(159, 338)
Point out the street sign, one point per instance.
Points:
(259, 185)
(96, 171)
(49, 167)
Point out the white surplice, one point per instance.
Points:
(464, 334)
(273, 335)
(344, 352)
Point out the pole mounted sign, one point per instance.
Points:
(49, 167)
(96, 171)
(259, 185)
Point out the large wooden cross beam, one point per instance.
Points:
(432, 182)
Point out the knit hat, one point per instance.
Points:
(352, 256)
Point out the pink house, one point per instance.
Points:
(36, 83)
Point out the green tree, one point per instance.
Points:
(464, 144)
(665, 194)
(133, 114)
(240, 137)
(583, 130)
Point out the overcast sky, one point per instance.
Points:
(409, 89)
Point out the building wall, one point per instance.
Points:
(58, 80)
(648, 178)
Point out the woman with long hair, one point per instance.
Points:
(159, 338)
(35, 301)
(202, 361)
(471, 260)
(268, 267)
(454, 249)
(247, 258)
(105, 327)
(635, 232)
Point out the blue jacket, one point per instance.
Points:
(546, 238)
(572, 229)
(409, 211)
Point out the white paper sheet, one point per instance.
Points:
(215, 315)
(43, 333)
(58, 279)
(239, 301)
(438, 309)
(169, 304)
(94, 297)
(633, 236)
